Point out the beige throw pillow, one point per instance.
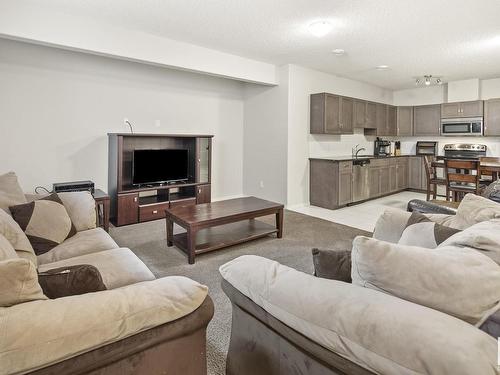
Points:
(457, 281)
(421, 231)
(81, 209)
(6, 249)
(18, 282)
(10, 191)
(17, 238)
(474, 209)
(45, 222)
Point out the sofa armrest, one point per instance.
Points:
(424, 207)
(69, 326)
(378, 331)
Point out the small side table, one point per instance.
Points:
(102, 207)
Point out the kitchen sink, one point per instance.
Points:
(361, 161)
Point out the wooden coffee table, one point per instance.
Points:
(213, 226)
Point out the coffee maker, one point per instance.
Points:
(382, 147)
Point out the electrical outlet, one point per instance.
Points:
(261, 184)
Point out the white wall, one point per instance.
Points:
(56, 108)
(265, 140)
(420, 96)
(301, 144)
(490, 88)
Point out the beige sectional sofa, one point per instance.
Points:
(139, 325)
(394, 318)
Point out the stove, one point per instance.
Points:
(469, 151)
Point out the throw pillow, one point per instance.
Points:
(17, 238)
(70, 281)
(457, 281)
(421, 231)
(18, 282)
(474, 209)
(10, 191)
(492, 191)
(6, 249)
(484, 237)
(45, 222)
(332, 264)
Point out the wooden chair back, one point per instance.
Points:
(430, 170)
(462, 176)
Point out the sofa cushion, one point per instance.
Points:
(81, 209)
(10, 191)
(380, 332)
(483, 236)
(18, 283)
(6, 249)
(422, 231)
(78, 324)
(118, 267)
(457, 281)
(332, 264)
(17, 238)
(86, 242)
(45, 222)
(71, 281)
(474, 209)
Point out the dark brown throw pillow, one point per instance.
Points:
(332, 264)
(70, 281)
(423, 232)
(45, 222)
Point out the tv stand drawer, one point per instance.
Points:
(152, 211)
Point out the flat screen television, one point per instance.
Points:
(159, 166)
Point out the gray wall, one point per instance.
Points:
(56, 108)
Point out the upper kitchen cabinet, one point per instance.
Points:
(462, 109)
(359, 113)
(492, 117)
(371, 115)
(392, 120)
(427, 120)
(331, 114)
(404, 121)
(381, 119)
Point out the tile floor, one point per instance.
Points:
(363, 215)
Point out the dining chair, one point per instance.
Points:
(462, 177)
(432, 177)
(486, 176)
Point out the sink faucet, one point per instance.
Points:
(356, 150)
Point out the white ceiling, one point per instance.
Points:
(456, 39)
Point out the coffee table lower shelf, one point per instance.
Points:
(215, 238)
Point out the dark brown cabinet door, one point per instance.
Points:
(128, 209)
(405, 121)
(492, 117)
(427, 120)
(203, 194)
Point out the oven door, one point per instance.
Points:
(471, 126)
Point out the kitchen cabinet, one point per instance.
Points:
(392, 121)
(203, 194)
(492, 117)
(402, 173)
(393, 185)
(345, 183)
(462, 109)
(427, 120)
(381, 119)
(371, 115)
(324, 183)
(384, 178)
(359, 113)
(404, 120)
(415, 172)
(331, 114)
(374, 181)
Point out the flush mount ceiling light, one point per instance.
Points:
(382, 67)
(428, 80)
(338, 52)
(320, 28)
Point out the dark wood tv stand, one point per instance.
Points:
(132, 204)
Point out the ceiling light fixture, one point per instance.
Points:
(428, 80)
(320, 28)
(382, 67)
(338, 52)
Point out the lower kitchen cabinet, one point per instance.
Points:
(385, 185)
(393, 184)
(374, 181)
(417, 176)
(345, 183)
(402, 174)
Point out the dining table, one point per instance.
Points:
(486, 166)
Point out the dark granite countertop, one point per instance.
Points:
(350, 157)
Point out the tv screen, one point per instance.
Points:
(155, 166)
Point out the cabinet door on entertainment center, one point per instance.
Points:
(204, 158)
(203, 194)
(128, 209)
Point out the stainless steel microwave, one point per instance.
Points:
(462, 126)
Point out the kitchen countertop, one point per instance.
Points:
(350, 157)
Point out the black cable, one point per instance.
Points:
(130, 125)
(42, 188)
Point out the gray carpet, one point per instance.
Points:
(301, 233)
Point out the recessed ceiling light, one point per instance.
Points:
(320, 28)
(382, 67)
(338, 52)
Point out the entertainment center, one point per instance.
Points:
(148, 173)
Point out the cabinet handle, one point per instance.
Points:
(199, 191)
(135, 199)
(155, 211)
